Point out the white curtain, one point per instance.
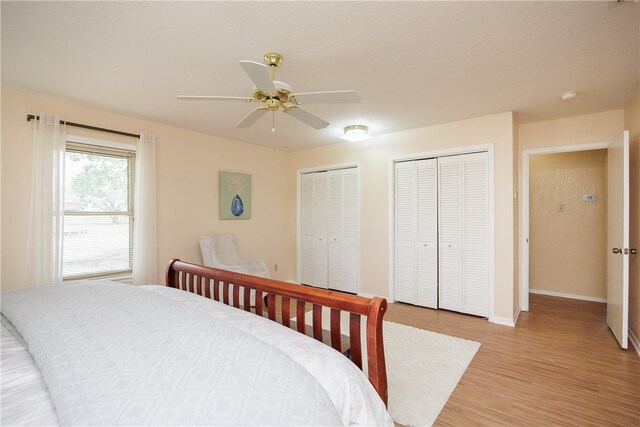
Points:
(46, 217)
(145, 253)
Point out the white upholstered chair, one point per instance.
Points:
(219, 251)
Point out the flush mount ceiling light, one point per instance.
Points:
(355, 133)
(568, 95)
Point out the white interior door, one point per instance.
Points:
(618, 238)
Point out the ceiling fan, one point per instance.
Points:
(276, 95)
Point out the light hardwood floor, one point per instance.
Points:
(561, 365)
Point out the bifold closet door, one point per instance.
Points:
(314, 229)
(320, 226)
(427, 233)
(416, 232)
(475, 244)
(343, 230)
(450, 232)
(330, 229)
(405, 232)
(308, 237)
(463, 233)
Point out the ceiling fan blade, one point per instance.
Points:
(259, 75)
(251, 118)
(306, 117)
(334, 97)
(212, 98)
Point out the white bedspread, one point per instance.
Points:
(25, 398)
(114, 354)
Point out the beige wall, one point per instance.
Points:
(187, 184)
(567, 250)
(374, 157)
(632, 123)
(590, 128)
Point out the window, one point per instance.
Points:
(99, 214)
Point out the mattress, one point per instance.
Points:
(26, 399)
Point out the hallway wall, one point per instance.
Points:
(568, 236)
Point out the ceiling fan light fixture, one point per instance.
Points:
(356, 133)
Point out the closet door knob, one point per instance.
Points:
(617, 250)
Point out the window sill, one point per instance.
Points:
(122, 278)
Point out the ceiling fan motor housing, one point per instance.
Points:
(273, 59)
(283, 96)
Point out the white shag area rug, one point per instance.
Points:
(423, 368)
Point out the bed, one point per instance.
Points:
(194, 352)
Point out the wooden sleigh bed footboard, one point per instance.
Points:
(225, 286)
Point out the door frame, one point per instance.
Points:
(323, 168)
(488, 148)
(524, 207)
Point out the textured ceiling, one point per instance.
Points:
(415, 64)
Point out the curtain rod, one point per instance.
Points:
(80, 125)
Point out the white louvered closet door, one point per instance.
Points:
(320, 225)
(426, 291)
(350, 240)
(405, 232)
(330, 239)
(308, 236)
(475, 247)
(335, 234)
(450, 230)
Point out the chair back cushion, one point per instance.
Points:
(224, 247)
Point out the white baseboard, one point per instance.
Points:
(515, 317)
(571, 296)
(366, 295)
(505, 321)
(634, 341)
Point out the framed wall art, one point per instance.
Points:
(235, 195)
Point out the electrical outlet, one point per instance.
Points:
(560, 207)
(275, 267)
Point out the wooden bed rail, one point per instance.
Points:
(224, 286)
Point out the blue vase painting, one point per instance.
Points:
(236, 206)
(235, 195)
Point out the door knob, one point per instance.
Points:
(617, 250)
(633, 251)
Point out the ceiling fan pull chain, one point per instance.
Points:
(273, 120)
